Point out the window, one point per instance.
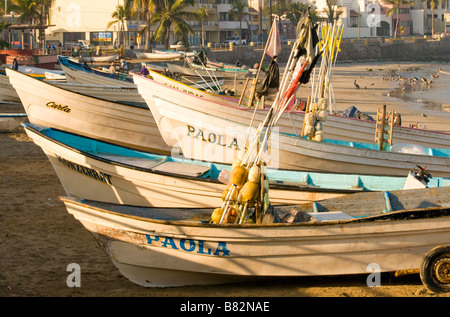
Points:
(404, 10)
(405, 24)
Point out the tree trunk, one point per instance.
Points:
(203, 35)
(432, 22)
(240, 31)
(148, 35)
(396, 23)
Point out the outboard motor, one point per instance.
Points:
(417, 179)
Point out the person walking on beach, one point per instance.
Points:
(15, 64)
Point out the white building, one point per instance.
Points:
(82, 20)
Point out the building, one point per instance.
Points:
(82, 20)
(87, 20)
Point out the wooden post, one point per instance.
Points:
(379, 128)
(243, 91)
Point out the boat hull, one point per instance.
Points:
(144, 179)
(122, 124)
(202, 136)
(336, 127)
(159, 253)
(227, 74)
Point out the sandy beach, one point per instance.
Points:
(39, 239)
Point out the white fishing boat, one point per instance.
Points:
(203, 136)
(60, 76)
(82, 74)
(91, 169)
(160, 247)
(35, 72)
(11, 121)
(207, 72)
(159, 56)
(99, 59)
(336, 127)
(119, 123)
(182, 53)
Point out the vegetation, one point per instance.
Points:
(202, 16)
(172, 13)
(120, 16)
(396, 4)
(238, 11)
(433, 4)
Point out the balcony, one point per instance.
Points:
(232, 25)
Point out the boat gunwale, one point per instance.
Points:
(398, 215)
(273, 185)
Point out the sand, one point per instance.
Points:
(39, 239)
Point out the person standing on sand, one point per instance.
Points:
(15, 64)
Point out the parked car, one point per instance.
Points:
(234, 40)
(79, 43)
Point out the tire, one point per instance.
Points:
(435, 270)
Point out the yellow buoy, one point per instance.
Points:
(233, 196)
(239, 176)
(217, 215)
(249, 191)
(254, 174)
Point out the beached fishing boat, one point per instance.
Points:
(158, 247)
(11, 121)
(193, 89)
(55, 76)
(160, 56)
(92, 169)
(99, 59)
(182, 53)
(203, 136)
(119, 123)
(35, 72)
(208, 71)
(336, 127)
(82, 74)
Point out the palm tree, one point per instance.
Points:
(294, 11)
(4, 25)
(333, 12)
(433, 5)
(144, 9)
(202, 17)
(119, 17)
(27, 10)
(238, 11)
(396, 4)
(172, 14)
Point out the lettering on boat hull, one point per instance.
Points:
(100, 176)
(211, 137)
(190, 245)
(56, 106)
